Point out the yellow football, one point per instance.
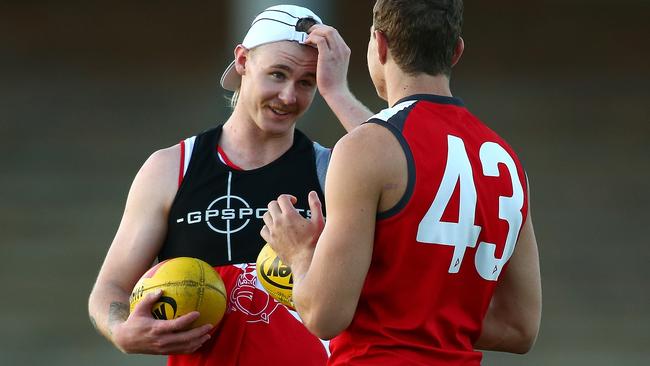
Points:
(187, 284)
(275, 276)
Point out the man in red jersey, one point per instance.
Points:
(428, 253)
(205, 198)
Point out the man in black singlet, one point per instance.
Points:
(205, 198)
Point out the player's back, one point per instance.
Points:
(439, 252)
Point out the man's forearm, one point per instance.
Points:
(347, 108)
(107, 308)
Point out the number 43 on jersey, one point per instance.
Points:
(464, 234)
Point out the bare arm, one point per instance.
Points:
(347, 108)
(331, 76)
(327, 287)
(134, 248)
(513, 318)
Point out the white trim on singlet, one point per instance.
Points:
(323, 156)
(221, 159)
(387, 113)
(189, 147)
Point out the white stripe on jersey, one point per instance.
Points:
(221, 158)
(387, 113)
(189, 146)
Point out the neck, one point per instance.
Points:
(400, 85)
(248, 146)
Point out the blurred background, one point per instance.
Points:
(88, 89)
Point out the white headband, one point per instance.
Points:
(277, 23)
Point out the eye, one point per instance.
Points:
(277, 75)
(307, 83)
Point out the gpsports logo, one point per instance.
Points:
(227, 215)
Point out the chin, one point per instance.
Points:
(277, 127)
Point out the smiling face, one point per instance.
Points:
(278, 84)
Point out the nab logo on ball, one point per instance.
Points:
(276, 273)
(165, 305)
(275, 276)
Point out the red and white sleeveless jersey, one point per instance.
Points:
(439, 253)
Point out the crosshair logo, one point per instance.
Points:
(228, 215)
(234, 217)
(225, 215)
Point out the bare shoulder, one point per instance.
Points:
(158, 177)
(373, 155)
(163, 160)
(367, 141)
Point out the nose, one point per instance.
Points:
(288, 94)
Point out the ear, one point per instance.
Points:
(458, 51)
(382, 46)
(241, 56)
